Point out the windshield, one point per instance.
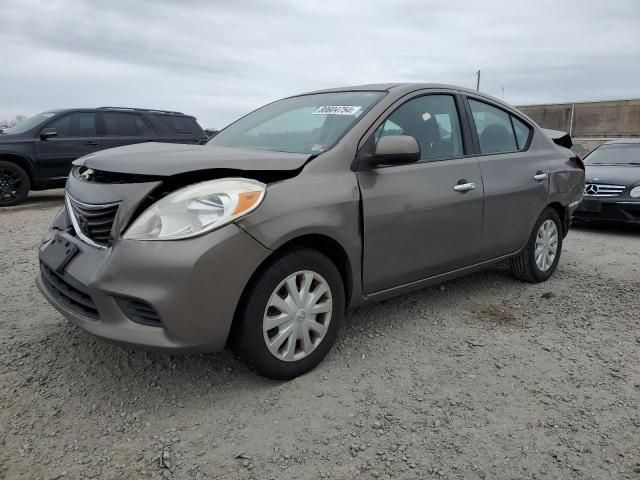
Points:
(615, 154)
(309, 124)
(29, 123)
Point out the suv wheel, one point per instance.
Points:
(537, 262)
(14, 184)
(290, 316)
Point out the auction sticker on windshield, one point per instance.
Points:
(338, 110)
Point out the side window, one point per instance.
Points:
(522, 132)
(432, 120)
(75, 125)
(181, 125)
(125, 125)
(388, 128)
(493, 127)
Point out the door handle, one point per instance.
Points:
(91, 142)
(464, 187)
(540, 176)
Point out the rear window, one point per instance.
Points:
(125, 125)
(498, 131)
(523, 132)
(181, 125)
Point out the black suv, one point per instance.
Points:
(37, 153)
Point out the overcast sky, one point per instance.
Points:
(220, 59)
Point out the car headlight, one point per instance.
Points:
(635, 192)
(197, 209)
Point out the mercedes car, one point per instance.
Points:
(612, 190)
(263, 238)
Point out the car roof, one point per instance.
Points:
(402, 88)
(150, 111)
(620, 141)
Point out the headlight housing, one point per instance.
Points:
(197, 209)
(635, 192)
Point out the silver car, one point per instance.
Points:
(263, 237)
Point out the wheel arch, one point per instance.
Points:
(329, 247)
(322, 243)
(21, 161)
(562, 213)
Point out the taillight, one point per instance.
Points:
(579, 161)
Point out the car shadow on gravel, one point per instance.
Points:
(621, 229)
(38, 200)
(426, 305)
(84, 365)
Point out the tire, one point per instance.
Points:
(14, 184)
(249, 339)
(524, 266)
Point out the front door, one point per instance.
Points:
(421, 219)
(76, 136)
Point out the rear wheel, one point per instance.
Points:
(537, 262)
(290, 315)
(14, 184)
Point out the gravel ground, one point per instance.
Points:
(483, 377)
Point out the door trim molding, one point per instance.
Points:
(425, 282)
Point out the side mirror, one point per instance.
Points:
(395, 150)
(48, 133)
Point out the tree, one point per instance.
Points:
(15, 121)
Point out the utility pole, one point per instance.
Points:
(478, 80)
(573, 108)
(502, 97)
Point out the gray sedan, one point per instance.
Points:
(263, 237)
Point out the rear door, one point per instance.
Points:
(124, 128)
(77, 136)
(417, 222)
(515, 177)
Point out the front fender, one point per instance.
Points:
(312, 204)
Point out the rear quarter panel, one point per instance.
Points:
(567, 179)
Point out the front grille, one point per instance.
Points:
(113, 178)
(139, 311)
(71, 296)
(93, 223)
(599, 190)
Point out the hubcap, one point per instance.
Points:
(546, 245)
(297, 316)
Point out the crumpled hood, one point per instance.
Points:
(613, 175)
(166, 159)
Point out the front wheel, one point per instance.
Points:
(14, 184)
(537, 262)
(290, 315)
